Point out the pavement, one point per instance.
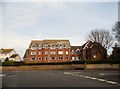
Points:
(61, 78)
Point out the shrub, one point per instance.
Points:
(11, 63)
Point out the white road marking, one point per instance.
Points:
(102, 74)
(12, 75)
(2, 75)
(88, 77)
(76, 75)
(66, 73)
(111, 82)
(101, 80)
(93, 78)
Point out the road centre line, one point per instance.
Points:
(93, 78)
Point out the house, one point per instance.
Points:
(48, 51)
(9, 54)
(15, 57)
(93, 51)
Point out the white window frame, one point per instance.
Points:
(73, 51)
(32, 58)
(52, 59)
(60, 57)
(60, 52)
(60, 46)
(52, 52)
(33, 48)
(46, 58)
(67, 45)
(40, 47)
(73, 58)
(67, 52)
(46, 52)
(52, 46)
(77, 58)
(67, 58)
(39, 58)
(33, 53)
(39, 52)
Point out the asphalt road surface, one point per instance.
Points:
(61, 78)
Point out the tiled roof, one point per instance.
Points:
(49, 41)
(37, 42)
(6, 50)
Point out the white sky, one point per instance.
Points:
(24, 21)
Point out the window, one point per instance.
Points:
(45, 46)
(73, 58)
(66, 52)
(52, 58)
(67, 58)
(39, 58)
(73, 51)
(32, 58)
(77, 58)
(52, 52)
(33, 47)
(46, 58)
(60, 52)
(40, 46)
(78, 51)
(40, 53)
(94, 56)
(60, 46)
(67, 45)
(60, 58)
(33, 53)
(46, 52)
(52, 46)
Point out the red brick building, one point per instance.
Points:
(48, 51)
(62, 51)
(75, 53)
(93, 51)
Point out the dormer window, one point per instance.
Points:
(46, 46)
(67, 45)
(60, 46)
(78, 51)
(52, 46)
(40, 47)
(33, 47)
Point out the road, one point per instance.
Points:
(61, 78)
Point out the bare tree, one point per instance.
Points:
(101, 36)
(116, 30)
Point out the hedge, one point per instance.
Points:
(12, 63)
(104, 62)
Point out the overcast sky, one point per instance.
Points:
(26, 21)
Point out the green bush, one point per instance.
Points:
(11, 63)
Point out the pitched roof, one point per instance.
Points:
(49, 41)
(13, 56)
(6, 50)
(37, 42)
(90, 44)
